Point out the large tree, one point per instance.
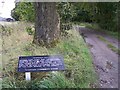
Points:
(47, 24)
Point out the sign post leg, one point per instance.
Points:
(27, 76)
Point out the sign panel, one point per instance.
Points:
(40, 63)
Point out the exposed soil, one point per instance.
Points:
(104, 59)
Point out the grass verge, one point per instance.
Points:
(79, 71)
(109, 45)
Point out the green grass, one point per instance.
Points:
(109, 45)
(113, 48)
(0, 84)
(55, 80)
(102, 39)
(79, 70)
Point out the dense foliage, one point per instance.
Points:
(24, 11)
(66, 11)
(104, 14)
(84, 12)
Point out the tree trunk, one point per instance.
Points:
(47, 25)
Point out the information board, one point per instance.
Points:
(40, 63)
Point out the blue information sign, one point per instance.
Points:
(40, 63)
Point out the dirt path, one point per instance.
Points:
(105, 60)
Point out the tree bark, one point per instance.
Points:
(47, 24)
